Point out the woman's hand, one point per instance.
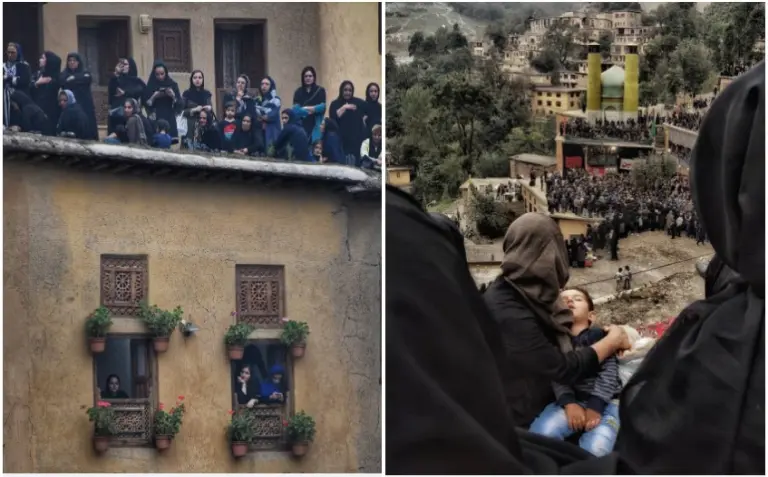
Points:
(119, 92)
(170, 93)
(617, 337)
(42, 80)
(196, 110)
(593, 419)
(251, 403)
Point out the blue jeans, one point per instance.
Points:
(552, 422)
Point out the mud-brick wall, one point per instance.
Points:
(58, 222)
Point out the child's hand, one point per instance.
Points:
(593, 419)
(576, 417)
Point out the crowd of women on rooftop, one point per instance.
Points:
(256, 120)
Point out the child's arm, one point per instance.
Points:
(607, 385)
(564, 394)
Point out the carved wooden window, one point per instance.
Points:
(132, 360)
(173, 44)
(123, 283)
(261, 356)
(260, 295)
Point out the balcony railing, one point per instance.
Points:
(681, 136)
(133, 420)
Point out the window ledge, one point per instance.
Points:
(131, 453)
(264, 455)
(266, 334)
(128, 325)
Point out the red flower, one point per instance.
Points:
(285, 423)
(161, 406)
(181, 398)
(231, 412)
(103, 404)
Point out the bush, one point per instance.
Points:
(294, 332)
(161, 323)
(103, 418)
(240, 428)
(491, 165)
(237, 334)
(301, 428)
(492, 218)
(169, 423)
(98, 325)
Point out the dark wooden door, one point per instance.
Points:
(22, 25)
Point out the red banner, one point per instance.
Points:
(597, 171)
(573, 162)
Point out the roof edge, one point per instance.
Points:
(54, 146)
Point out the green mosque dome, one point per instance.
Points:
(612, 80)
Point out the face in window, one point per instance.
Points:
(347, 91)
(373, 92)
(203, 120)
(317, 150)
(160, 73)
(11, 52)
(309, 78)
(376, 133)
(63, 100)
(42, 61)
(72, 63)
(246, 123)
(245, 374)
(197, 79)
(265, 86)
(113, 384)
(128, 109)
(230, 112)
(284, 119)
(240, 84)
(124, 66)
(277, 378)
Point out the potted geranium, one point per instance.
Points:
(168, 424)
(96, 328)
(301, 431)
(295, 336)
(161, 324)
(103, 418)
(236, 338)
(240, 431)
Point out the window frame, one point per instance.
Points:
(281, 295)
(186, 64)
(151, 401)
(288, 406)
(145, 281)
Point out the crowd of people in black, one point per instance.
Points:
(686, 119)
(630, 130)
(681, 153)
(623, 207)
(155, 113)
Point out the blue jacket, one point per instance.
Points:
(269, 105)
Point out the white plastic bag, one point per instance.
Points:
(181, 125)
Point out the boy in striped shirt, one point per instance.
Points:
(589, 406)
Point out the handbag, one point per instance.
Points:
(181, 125)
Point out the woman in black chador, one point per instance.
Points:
(45, 88)
(16, 76)
(162, 97)
(125, 85)
(348, 112)
(246, 388)
(77, 79)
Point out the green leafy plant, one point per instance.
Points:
(169, 423)
(99, 323)
(237, 334)
(103, 418)
(161, 323)
(294, 332)
(301, 427)
(240, 428)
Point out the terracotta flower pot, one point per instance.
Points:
(98, 345)
(239, 449)
(161, 344)
(162, 442)
(300, 448)
(297, 350)
(100, 444)
(235, 352)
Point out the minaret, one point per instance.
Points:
(594, 60)
(631, 82)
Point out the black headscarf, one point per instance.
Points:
(200, 96)
(52, 65)
(153, 84)
(302, 97)
(372, 108)
(696, 405)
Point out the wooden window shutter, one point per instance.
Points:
(172, 44)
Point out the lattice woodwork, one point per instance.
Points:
(268, 425)
(100, 104)
(260, 295)
(123, 284)
(133, 420)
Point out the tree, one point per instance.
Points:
(692, 59)
(731, 33)
(546, 62)
(415, 45)
(498, 36)
(559, 39)
(456, 39)
(605, 41)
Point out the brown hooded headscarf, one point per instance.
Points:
(536, 265)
